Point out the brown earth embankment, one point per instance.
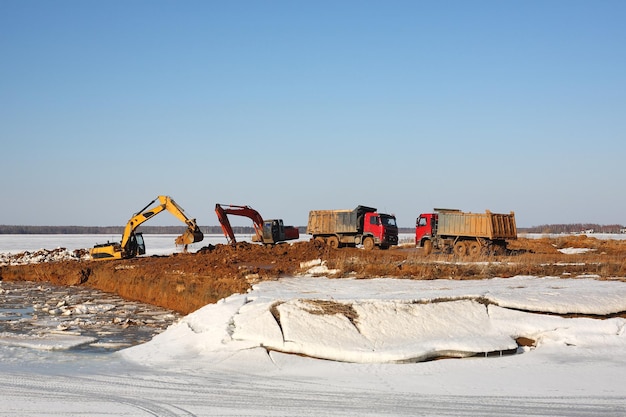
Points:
(180, 282)
(186, 282)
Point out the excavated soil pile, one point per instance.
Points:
(186, 282)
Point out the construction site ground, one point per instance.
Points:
(184, 282)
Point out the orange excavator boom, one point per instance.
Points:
(222, 212)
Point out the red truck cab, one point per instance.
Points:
(425, 228)
(383, 227)
(361, 226)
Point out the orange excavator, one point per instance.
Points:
(268, 232)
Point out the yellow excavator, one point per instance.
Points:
(132, 243)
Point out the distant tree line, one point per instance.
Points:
(109, 230)
(118, 230)
(247, 230)
(574, 228)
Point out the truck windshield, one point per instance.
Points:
(388, 221)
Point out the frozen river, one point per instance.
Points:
(80, 319)
(44, 316)
(155, 244)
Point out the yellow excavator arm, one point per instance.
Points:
(127, 249)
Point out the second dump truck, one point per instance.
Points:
(472, 234)
(361, 226)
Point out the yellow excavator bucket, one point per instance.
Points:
(189, 237)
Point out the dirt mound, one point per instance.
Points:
(269, 261)
(186, 282)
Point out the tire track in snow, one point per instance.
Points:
(83, 392)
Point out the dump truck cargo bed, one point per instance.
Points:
(337, 221)
(487, 225)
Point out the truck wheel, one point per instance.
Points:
(428, 247)
(474, 249)
(498, 249)
(368, 243)
(460, 249)
(320, 239)
(333, 242)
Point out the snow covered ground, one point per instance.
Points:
(315, 346)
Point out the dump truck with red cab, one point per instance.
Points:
(453, 231)
(361, 226)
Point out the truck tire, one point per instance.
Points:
(368, 243)
(498, 249)
(428, 247)
(333, 242)
(474, 249)
(320, 239)
(460, 248)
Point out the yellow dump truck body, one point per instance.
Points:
(333, 221)
(487, 225)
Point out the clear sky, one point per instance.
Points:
(290, 106)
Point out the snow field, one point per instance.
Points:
(313, 346)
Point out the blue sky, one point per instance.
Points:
(290, 106)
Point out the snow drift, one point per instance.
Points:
(391, 321)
